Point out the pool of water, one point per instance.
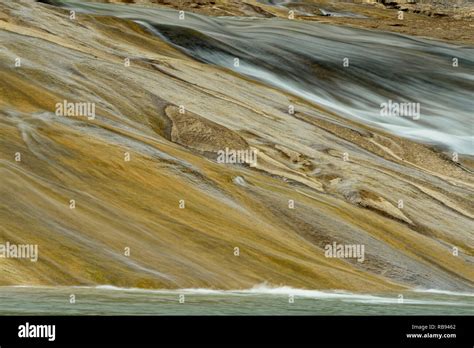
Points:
(109, 300)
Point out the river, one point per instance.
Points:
(261, 300)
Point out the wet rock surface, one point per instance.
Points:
(181, 213)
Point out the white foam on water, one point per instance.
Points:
(261, 289)
(265, 289)
(444, 292)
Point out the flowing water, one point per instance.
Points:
(349, 71)
(108, 300)
(290, 5)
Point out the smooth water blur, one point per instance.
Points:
(306, 59)
(109, 300)
(295, 5)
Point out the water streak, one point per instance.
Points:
(307, 59)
